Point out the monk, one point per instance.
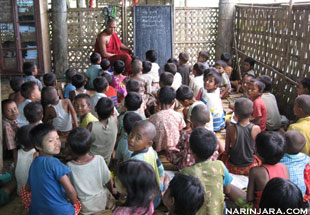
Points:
(110, 46)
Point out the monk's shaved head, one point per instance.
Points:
(148, 129)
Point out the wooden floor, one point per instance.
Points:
(14, 207)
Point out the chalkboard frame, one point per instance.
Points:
(171, 28)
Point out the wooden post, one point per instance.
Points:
(60, 37)
(1, 137)
(224, 38)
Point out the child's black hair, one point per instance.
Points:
(199, 68)
(243, 108)
(28, 68)
(136, 67)
(129, 121)
(204, 54)
(70, 73)
(139, 180)
(151, 55)
(38, 133)
(259, 84)
(78, 80)
(100, 84)
(23, 136)
(16, 83)
(202, 143)
(213, 73)
(132, 85)
(95, 57)
(171, 67)
(188, 194)
(105, 64)
(133, 101)
(282, 194)
(49, 79)
(118, 67)
(83, 96)
(104, 108)
(33, 112)
(5, 102)
(270, 146)
(303, 102)
(166, 95)
(166, 78)
(250, 60)
(184, 92)
(27, 88)
(107, 76)
(174, 61)
(147, 66)
(184, 57)
(267, 81)
(200, 115)
(79, 140)
(305, 83)
(48, 96)
(220, 63)
(226, 57)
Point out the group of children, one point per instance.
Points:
(112, 142)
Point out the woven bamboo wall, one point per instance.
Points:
(279, 40)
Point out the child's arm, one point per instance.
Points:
(230, 140)
(71, 193)
(110, 186)
(71, 95)
(89, 126)
(255, 131)
(256, 120)
(73, 113)
(251, 185)
(49, 114)
(225, 91)
(60, 94)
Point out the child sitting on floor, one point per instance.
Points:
(69, 87)
(295, 160)
(147, 67)
(92, 71)
(203, 57)
(79, 82)
(226, 57)
(101, 85)
(30, 70)
(259, 114)
(106, 66)
(210, 95)
(49, 79)
(213, 175)
(196, 83)
(184, 69)
(184, 195)
(165, 79)
(136, 180)
(177, 78)
(111, 92)
(103, 132)
(239, 155)
(302, 112)
(58, 112)
(82, 108)
(15, 85)
(118, 80)
(225, 84)
(34, 113)
(151, 56)
(137, 68)
(247, 66)
(90, 175)
(303, 86)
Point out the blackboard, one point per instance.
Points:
(153, 30)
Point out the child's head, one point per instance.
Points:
(101, 84)
(248, 64)
(198, 69)
(16, 83)
(45, 139)
(184, 95)
(49, 96)
(79, 140)
(49, 79)
(281, 194)
(304, 86)
(267, 81)
(78, 80)
(185, 195)
(147, 66)
(302, 106)
(220, 66)
(69, 74)
(105, 64)
(129, 121)
(136, 67)
(165, 79)
(107, 76)
(104, 108)
(246, 81)
(29, 68)
(23, 136)
(212, 79)
(151, 55)
(137, 180)
(270, 147)
(141, 136)
(171, 68)
(132, 85)
(95, 58)
(174, 61)
(118, 67)
(203, 56)
(33, 112)
(255, 89)
(243, 108)
(295, 141)
(183, 58)
(133, 101)
(202, 143)
(9, 109)
(30, 90)
(82, 104)
(226, 57)
(200, 116)
(166, 95)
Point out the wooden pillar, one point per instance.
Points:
(60, 37)
(1, 136)
(225, 32)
